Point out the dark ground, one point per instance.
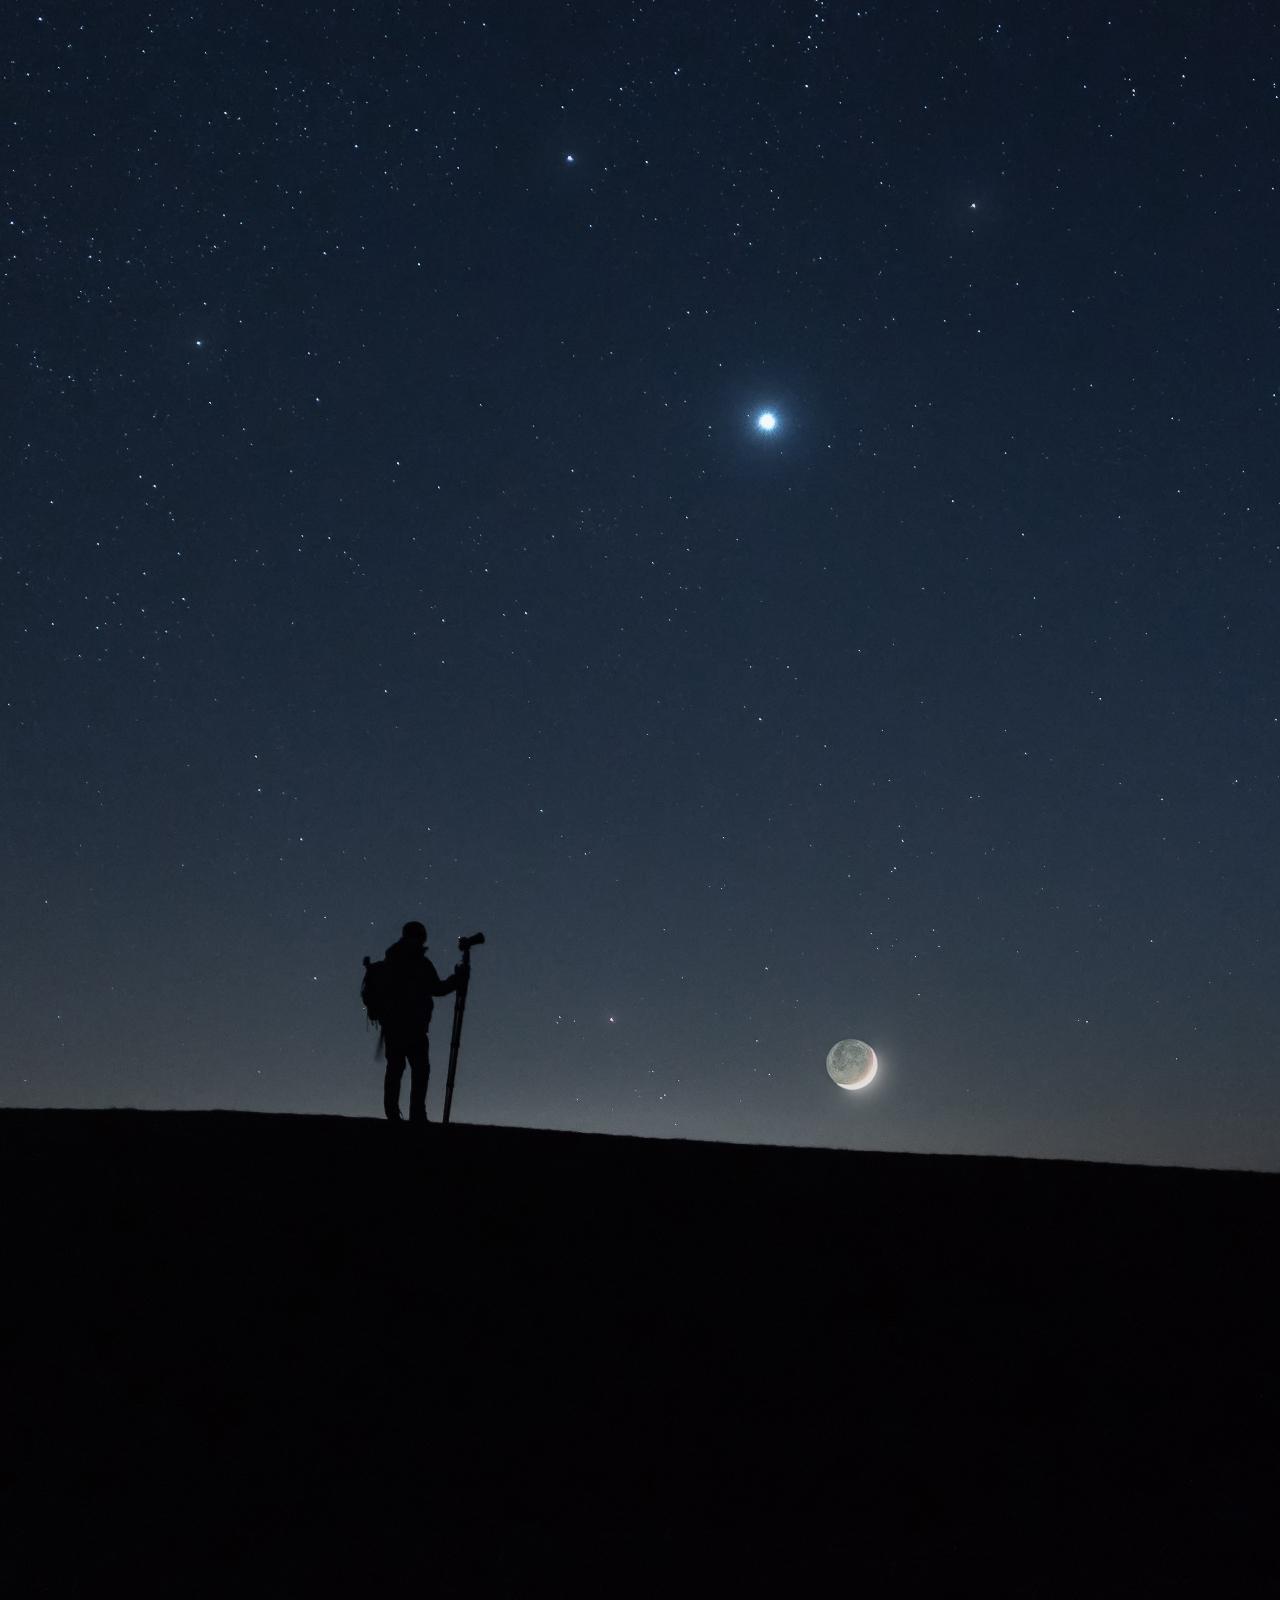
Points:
(306, 1354)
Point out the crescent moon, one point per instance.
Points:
(864, 1081)
(852, 1064)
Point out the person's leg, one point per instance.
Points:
(420, 1070)
(391, 1081)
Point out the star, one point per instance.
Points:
(767, 421)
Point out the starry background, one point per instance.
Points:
(386, 534)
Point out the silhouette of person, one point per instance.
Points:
(412, 985)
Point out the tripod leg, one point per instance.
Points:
(459, 1006)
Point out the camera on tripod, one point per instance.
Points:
(465, 943)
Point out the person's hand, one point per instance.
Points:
(460, 973)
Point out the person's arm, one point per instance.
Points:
(437, 985)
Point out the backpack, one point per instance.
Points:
(374, 990)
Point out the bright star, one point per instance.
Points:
(766, 422)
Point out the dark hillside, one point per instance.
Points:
(298, 1351)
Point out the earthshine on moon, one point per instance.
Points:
(851, 1064)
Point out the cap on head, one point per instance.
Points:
(415, 932)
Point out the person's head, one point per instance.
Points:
(414, 933)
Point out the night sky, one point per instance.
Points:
(387, 532)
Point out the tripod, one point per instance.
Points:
(459, 1006)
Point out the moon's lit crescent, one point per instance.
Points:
(851, 1064)
(867, 1076)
